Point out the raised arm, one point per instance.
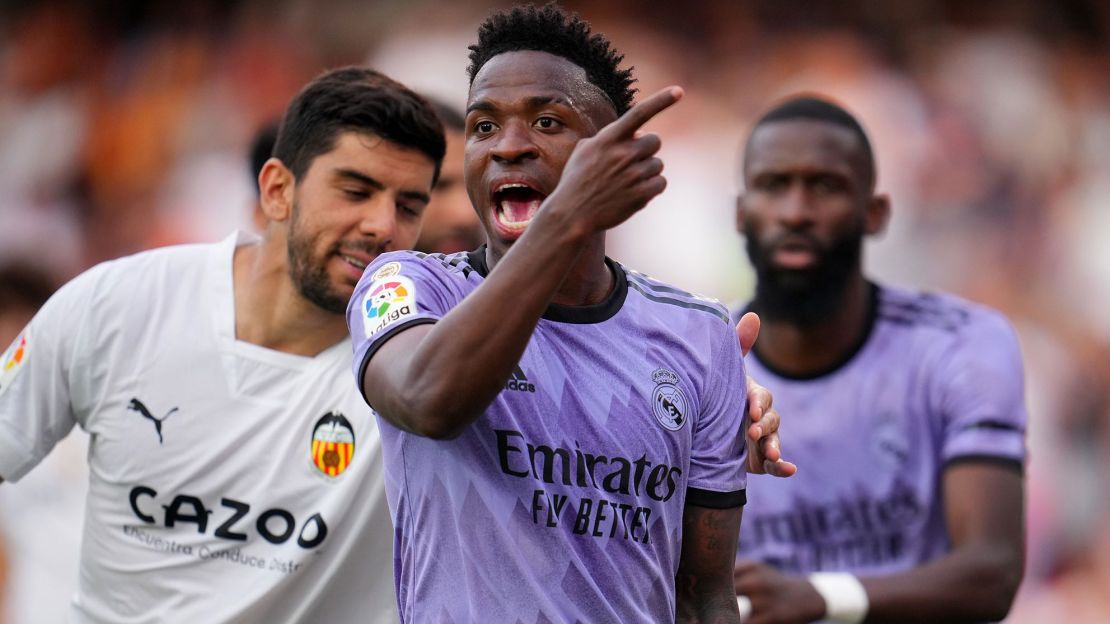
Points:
(434, 380)
(703, 585)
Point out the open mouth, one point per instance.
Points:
(514, 206)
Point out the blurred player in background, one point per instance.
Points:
(562, 435)
(916, 513)
(450, 223)
(235, 469)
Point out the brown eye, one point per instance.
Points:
(547, 123)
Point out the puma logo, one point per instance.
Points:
(137, 405)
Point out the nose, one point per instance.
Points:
(795, 210)
(379, 219)
(513, 144)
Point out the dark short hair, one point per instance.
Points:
(818, 109)
(356, 99)
(550, 29)
(262, 148)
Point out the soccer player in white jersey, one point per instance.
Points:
(907, 414)
(235, 470)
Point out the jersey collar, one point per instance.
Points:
(587, 314)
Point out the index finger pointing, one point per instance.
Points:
(642, 112)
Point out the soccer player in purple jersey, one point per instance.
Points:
(563, 435)
(917, 515)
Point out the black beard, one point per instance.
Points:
(311, 278)
(805, 297)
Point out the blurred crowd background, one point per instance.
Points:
(126, 125)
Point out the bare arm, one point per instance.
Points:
(703, 585)
(975, 582)
(435, 380)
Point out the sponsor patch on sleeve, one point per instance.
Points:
(389, 269)
(13, 359)
(389, 300)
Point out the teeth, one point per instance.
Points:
(506, 215)
(511, 185)
(358, 263)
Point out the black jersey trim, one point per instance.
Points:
(379, 341)
(923, 309)
(690, 305)
(997, 425)
(1002, 462)
(872, 317)
(587, 314)
(715, 500)
(448, 262)
(477, 259)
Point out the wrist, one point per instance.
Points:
(564, 218)
(845, 598)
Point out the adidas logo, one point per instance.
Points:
(519, 382)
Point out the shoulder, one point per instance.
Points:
(939, 312)
(407, 261)
(667, 299)
(142, 274)
(953, 324)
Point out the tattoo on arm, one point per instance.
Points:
(703, 585)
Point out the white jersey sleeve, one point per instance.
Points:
(40, 373)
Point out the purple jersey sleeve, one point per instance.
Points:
(397, 291)
(980, 391)
(718, 454)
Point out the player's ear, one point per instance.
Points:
(275, 190)
(878, 214)
(740, 212)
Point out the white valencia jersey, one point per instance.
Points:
(229, 482)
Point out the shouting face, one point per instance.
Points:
(527, 110)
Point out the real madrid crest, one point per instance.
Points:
(667, 401)
(333, 444)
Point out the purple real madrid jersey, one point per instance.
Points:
(563, 502)
(938, 380)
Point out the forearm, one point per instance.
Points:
(975, 583)
(460, 365)
(703, 585)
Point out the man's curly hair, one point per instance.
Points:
(550, 29)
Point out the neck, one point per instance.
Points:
(270, 312)
(804, 349)
(588, 281)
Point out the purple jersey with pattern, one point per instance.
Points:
(938, 380)
(564, 501)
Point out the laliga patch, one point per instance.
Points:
(668, 404)
(333, 444)
(12, 360)
(387, 301)
(389, 269)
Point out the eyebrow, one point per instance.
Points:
(534, 101)
(351, 174)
